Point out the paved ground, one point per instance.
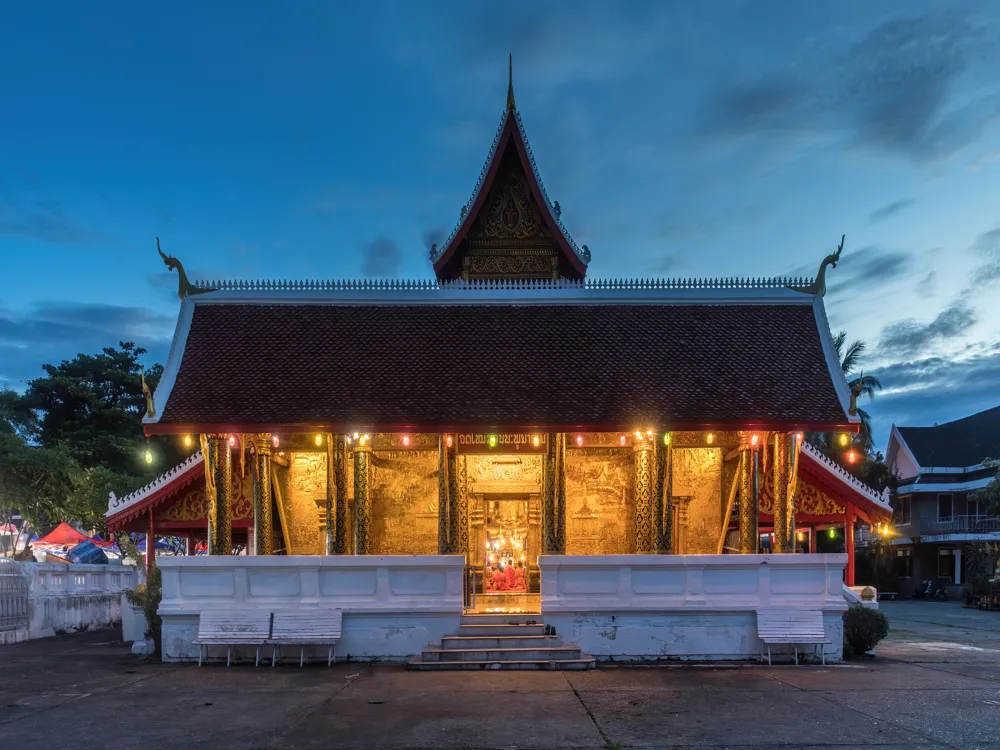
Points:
(935, 684)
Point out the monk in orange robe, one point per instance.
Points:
(510, 576)
(519, 578)
(499, 580)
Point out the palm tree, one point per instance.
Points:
(868, 384)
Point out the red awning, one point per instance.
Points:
(63, 534)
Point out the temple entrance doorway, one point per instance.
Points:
(505, 535)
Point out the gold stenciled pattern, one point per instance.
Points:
(404, 491)
(597, 501)
(697, 474)
(809, 500)
(511, 213)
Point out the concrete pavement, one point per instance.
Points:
(935, 684)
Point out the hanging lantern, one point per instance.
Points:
(710, 438)
(844, 439)
(149, 456)
(666, 438)
(832, 533)
(318, 439)
(754, 439)
(448, 441)
(493, 441)
(232, 441)
(852, 456)
(406, 440)
(622, 440)
(579, 440)
(275, 441)
(187, 441)
(638, 435)
(798, 436)
(536, 441)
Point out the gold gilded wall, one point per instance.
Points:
(404, 503)
(697, 482)
(192, 505)
(302, 490)
(599, 509)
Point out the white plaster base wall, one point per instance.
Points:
(394, 606)
(650, 607)
(69, 598)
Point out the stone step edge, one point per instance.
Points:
(513, 649)
(584, 659)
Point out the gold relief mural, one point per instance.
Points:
(809, 500)
(192, 505)
(486, 470)
(690, 438)
(404, 487)
(697, 474)
(598, 510)
(303, 496)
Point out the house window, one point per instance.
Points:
(904, 563)
(946, 564)
(972, 507)
(945, 507)
(902, 511)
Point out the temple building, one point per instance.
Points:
(507, 436)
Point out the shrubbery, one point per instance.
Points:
(863, 629)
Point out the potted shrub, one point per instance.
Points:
(863, 629)
(147, 596)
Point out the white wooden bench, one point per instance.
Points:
(306, 627)
(232, 627)
(794, 627)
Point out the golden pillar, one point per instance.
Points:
(642, 453)
(458, 492)
(559, 505)
(554, 496)
(329, 512)
(219, 487)
(792, 444)
(444, 498)
(779, 491)
(262, 525)
(341, 543)
(362, 497)
(749, 535)
(663, 506)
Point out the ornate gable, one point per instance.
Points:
(509, 229)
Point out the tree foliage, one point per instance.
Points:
(76, 434)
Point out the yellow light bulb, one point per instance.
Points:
(710, 438)
(318, 439)
(187, 441)
(149, 457)
(843, 438)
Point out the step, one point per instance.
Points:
(478, 631)
(584, 662)
(500, 641)
(435, 653)
(501, 619)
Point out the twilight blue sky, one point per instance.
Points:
(314, 139)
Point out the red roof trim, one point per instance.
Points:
(160, 428)
(846, 493)
(510, 131)
(166, 492)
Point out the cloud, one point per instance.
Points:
(382, 258)
(890, 210)
(900, 89)
(925, 288)
(906, 338)
(869, 266)
(434, 236)
(936, 389)
(46, 221)
(987, 245)
(53, 331)
(662, 265)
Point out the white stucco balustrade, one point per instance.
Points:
(393, 606)
(685, 606)
(66, 598)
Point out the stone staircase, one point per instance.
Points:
(501, 642)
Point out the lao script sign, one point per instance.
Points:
(501, 442)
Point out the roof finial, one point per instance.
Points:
(510, 81)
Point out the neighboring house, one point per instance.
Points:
(940, 468)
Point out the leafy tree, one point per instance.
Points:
(989, 496)
(93, 404)
(16, 415)
(35, 481)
